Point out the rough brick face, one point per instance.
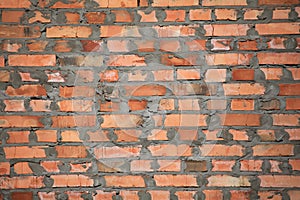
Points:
(149, 99)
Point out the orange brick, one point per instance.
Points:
(10, 31)
(228, 59)
(277, 28)
(18, 137)
(188, 74)
(163, 3)
(215, 75)
(223, 165)
(20, 121)
(12, 16)
(226, 29)
(273, 150)
(279, 181)
(228, 181)
(15, 4)
(25, 152)
(147, 17)
(232, 89)
(124, 181)
(240, 119)
(243, 74)
(14, 105)
(286, 119)
(175, 16)
(21, 182)
(68, 32)
(221, 150)
(251, 165)
(22, 168)
(46, 135)
(278, 58)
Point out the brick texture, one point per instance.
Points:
(149, 99)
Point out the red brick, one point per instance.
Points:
(141, 165)
(273, 150)
(72, 4)
(117, 3)
(27, 90)
(129, 195)
(68, 32)
(175, 31)
(2, 61)
(243, 74)
(4, 168)
(247, 45)
(295, 163)
(182, 195)
(286, 119)
(137, 104)
(175, 180)
(32, 60)
(171, 60)
(74, 121)
(228, 181)
(17, 137)
(51, 166)
(224, 3)
(73, 180)
(188, 74)
(188, 104)
(221, 44)
(147, 17)
(281, 13)
(145, 90)
(242, 104)
(14, 105)
(294, 133)
(289, 89)
(24, 152)
(213, 194)
(292, 104)
(221, 150)
(226, 14)
(37, 46)
(185, 120)
(46, 195)
(295, 73)
(252, 14)
(124, 121)
(117, 152)
(251, 165)
(117, 45)
(294, 194)
(71, 151)
(10, 31)
(124, 181)
(226, 29)
(46, 135)
(228, 59)
(175, 16)
(240, 119)
(70, 136)
(279, 181)
(240, 194)
(278, 2)
(274, 195)
(170, 150)
(15, 4)
(277, 28)
(272, 73)
(169, 45)
(222, 165)
(278, 58)
(163, 3)
(72, 17)
(40, 105)
(76, 91)
(215, 75)
(216, 104)
(123, 16)
(92, 45)
(158, 134)
(233, 89)
(25, 182)
(195, 44)
(95, 17)
(119, 31)
(200, 14)
(22, 195)
(169, 165)
(76, 105)
(238, 134)
(126, 135)
(12, 16)
(103, 195)
(22, 168)
(20, 121)
(126, 60)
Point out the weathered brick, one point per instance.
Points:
(68, 32)
(12, 31)
(277, 28)
(32, 60)
(228, 181)
(176, 180)
(124, 181)
(279, 181)
(15, 4)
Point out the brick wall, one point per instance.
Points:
(149, 99)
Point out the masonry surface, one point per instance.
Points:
(149, 99)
